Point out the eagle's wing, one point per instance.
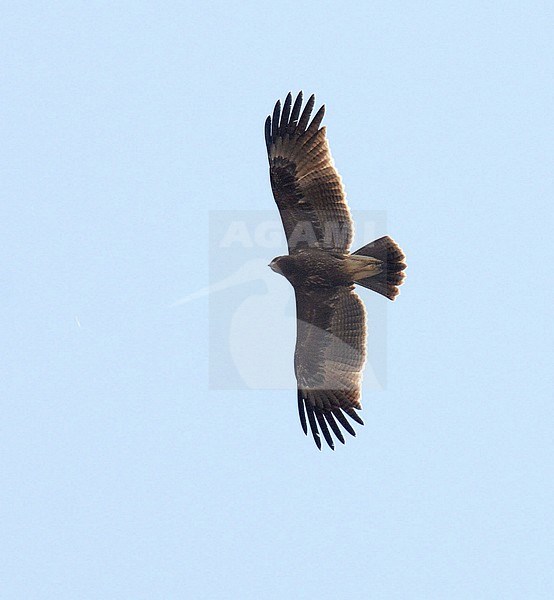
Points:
(329, 358)
(306, 186)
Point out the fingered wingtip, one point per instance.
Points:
(324, 422)
(302, 413)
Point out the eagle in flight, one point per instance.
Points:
(331, 328)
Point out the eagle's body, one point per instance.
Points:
(331, 333)
(313, 267)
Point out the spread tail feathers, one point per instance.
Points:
(387, 281)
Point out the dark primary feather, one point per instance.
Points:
(293, 122)
(302, 412)
(285, 114)
(353, 415)
(313, 425)
(323, 426)
(306, 186)
(333, 424)
(316, 122)
(268, 131)
(344, 422)
(305, 114)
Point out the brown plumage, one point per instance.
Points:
(331, 329)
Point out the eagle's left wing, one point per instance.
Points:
(307, 188)
(329, 357)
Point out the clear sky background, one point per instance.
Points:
(124, 127)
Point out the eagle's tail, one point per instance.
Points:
(385, 282)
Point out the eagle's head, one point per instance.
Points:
(282, 265)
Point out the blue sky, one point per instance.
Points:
(125, 129)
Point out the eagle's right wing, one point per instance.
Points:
(329, 357)
(307, 188)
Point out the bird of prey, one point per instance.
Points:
(331, 330)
